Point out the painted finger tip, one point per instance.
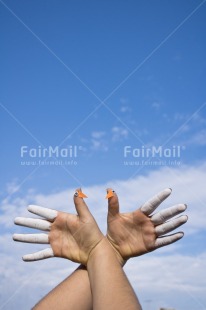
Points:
(168, 190)
(184, 219)
(80, 194)
(182, 207)
(110, 189)
(14, 237)
(110, 193)
(180, 235)
(17, 220)
(27, 258)
(31, 207)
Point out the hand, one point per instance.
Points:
(136, 233)
(70, 236)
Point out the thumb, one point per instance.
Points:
(80, 205)
(113, 203)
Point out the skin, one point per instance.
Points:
(109, 285)
(70, 237)
(129, 234)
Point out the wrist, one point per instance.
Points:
(121, 260)
(102, 251)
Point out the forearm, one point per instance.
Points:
(110, 287)
(73, 293)
(66, 295)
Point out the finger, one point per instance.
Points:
(171, 225)
(47, 253)
(44, 212)
(32, 238)
(155, 201)
(33, 223)
(113, 203)
(166, 240)
(110, 193)
(164, 215)
(80, 205)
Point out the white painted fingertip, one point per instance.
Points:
(32, 238)
(167, 240)
(182, 207)
(18, 220)
(179, 235)
(183, 219)
(33, 223)
(15, 237)
(168, 191)
(47, 253)
(47, 213)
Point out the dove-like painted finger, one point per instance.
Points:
(113, 203)
(44, 212)
(166, 240)
(47, 253)
(171, 225)
(33, 223)
(166, 214)
(80, 204)
(31, 238)
(149, 206)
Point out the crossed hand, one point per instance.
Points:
(75, 236)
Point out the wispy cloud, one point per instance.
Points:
(98, 134)
(156, 105)
(124, 109)
(119, 133)
(102, 140)
(187, 184)
(98, 141)
(197, 119)
(131, 192)
(198, 138)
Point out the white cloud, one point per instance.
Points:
(181, 117)
(98, 134)
(198, 138)
(176, 281)
(187, 183)
(119, 133)
(124, 109)
(101, 140)
(12, 187)
(156, 105)
(174, 273)
(99, 145)
(198, 118)
(96, 142)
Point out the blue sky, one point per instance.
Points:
(100, 76)
(102, 43)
